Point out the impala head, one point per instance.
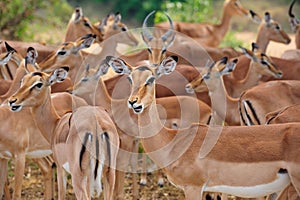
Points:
(112, 25)
(273, 31)
(35, 88)
(295, 23)
(79, 26)
(89, 80)
(66, 53)
(234, 7)
(262, 63)
(209, 74)
(157, 46)
(142, 80)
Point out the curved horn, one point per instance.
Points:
(291, 8)
(169, 32)
(145, 32)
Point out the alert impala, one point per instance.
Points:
(87, 136)
(229, 167)
(93, 90)
(212, 34)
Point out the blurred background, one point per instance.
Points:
(46, 21)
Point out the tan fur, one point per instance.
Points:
(210, 34)
(52, 125)
(270, 148)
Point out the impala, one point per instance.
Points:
(87, 136)
(9, 62)
(211, 81)
(93, 90)
(30, 143)
(260, 64)
(79, 26)
(212, 34)
(231, 166)
(265, 98)
(270, 30)
(295, 24)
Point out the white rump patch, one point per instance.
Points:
(279, 184)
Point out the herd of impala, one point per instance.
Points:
(216, 121)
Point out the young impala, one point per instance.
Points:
(87, 136)
(231, 165)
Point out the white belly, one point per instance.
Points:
(280, 183)
(38, 153)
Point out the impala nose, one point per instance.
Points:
(10, 102)
(132, 102)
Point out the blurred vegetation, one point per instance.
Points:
(45, 21)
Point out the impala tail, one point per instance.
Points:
(93, 154)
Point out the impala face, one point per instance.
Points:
(275, 32)
(263, 63)
(157, 46)
(142, 80)
(235, 8)
(112, 25)
(33, 88)
(208, 74)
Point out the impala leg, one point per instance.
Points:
(160, 177)
(289, 193)
(79, 183)
(134, 166)
(3, 175)
(61, 182)
(19, 172)
(6, 191)
(143, 180)
(193, 193)
(109, 183)
(46, 168)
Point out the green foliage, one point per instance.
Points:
(186, 11)
(20, 19)
(230, 40)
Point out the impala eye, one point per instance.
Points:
(149, 50)
(206, 76)
(264, 62)
(129, 79)
(277, 27)
(61, 53)
(38, 85)
(124, 29)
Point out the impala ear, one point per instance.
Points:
(255, 17)
(103, 69)
(31, 56)
(118, 17)
(166, 66)
(118, 65)
(78, 14)
(58, 75)
(84, 42)
(230, 66)
(9, 48)
(247, 52)
(268, 19)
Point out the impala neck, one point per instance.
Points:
(262, 40)
(223, 27)
(46, 118)
(252, 77)
(222, 103)
(102, 97)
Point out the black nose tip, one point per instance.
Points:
(12, 101)
(131, 102)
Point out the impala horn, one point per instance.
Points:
(169, 32)
(291, 9)
(147, 36)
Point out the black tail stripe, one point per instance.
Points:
(253, 112)
(241, 114)
(83, 148)
(97, 157)
(209, 119)
(9, 72)
(108, 147)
